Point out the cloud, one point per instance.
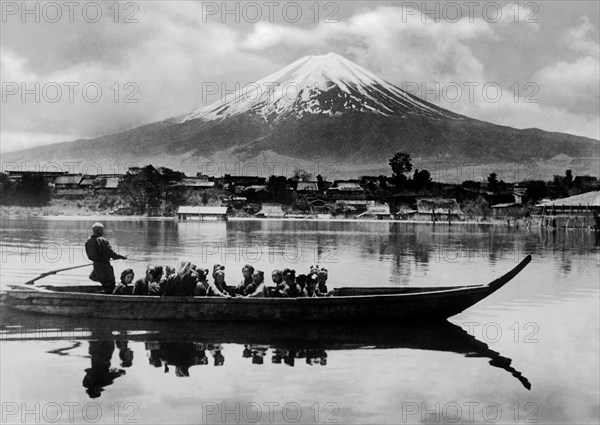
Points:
(581, 38)
(163, 73)
(376, 40)
(519, 13)
(574, 86)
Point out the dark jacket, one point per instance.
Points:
(176, 286)
(140, 287)
(123, 289)
(98, 250)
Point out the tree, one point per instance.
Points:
(278, 189)
(536, 190)
(382, 182)
(421, 178)
(301, 175)
(321, 183)
(568, 177)
(559, 188)
(475, 208)
(401, 164)
(6, 188)
(471, 185)
(492, 182)
(31, 190)
(152, 190)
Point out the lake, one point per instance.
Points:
(527, 354)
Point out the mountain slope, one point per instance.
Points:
(317, 109)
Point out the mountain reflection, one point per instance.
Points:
(181, 348)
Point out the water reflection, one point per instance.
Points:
(100, 374)
(176, 348)
(182, 355)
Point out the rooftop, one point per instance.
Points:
(591, 199)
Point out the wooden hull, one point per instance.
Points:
(352, 305)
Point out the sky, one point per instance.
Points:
(73, 70)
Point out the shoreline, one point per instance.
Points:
(108, 217)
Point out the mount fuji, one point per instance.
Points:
(323, 109)
(326, 85)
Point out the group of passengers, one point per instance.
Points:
(189, 280)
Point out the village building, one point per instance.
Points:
(68, 181)
(236, 202)
(48, 176)
(350, 207)
(271, 211)
(87, 182)
(197, 183)
(404, 212)
(579, 211)
(105, 183)
(377, 211)
(319, 206)
(228, 181)
(510, 209)
(438, 209)
(200, 213)
(586, 183)
(346, 189)
(308, 188)
(507, 209)
(255, 188)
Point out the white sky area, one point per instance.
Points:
(544, 57)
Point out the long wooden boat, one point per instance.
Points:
(350, 304)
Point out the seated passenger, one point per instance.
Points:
(152, 279)
(202, 286)
(311, 285)
(216, 268)
(277, 278)
(301, 281)
(280, 291)
(182, 283)
(247, 272)
(155, 285)
(322, 287)
(123, 288)
(257, 288)
(219, 288)
(291, 290)
(169, 271)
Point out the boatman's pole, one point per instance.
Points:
(43, 275)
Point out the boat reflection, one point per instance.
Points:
(177, 347)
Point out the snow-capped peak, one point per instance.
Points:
(326, 84)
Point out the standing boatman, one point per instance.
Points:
(99, 251)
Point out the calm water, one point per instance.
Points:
(527, 354)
